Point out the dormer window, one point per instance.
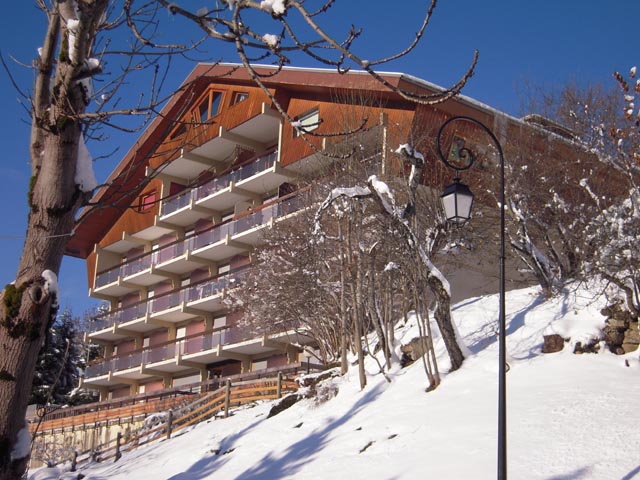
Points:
(307, 122)
(239, 97)
(208, 106)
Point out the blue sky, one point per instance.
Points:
(548, 42)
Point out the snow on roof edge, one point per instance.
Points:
(472, 102)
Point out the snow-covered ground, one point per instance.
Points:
(569, 416)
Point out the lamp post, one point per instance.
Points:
(457, 201)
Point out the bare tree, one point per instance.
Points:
(554, 219)
(613, 252)
(383, 196)
(65, 108)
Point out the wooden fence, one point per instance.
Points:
(204, 406)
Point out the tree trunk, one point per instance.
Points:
(28, 307)
(344, 364)
(358, 326)
(442, 314)
(27, 310)
(374, 313)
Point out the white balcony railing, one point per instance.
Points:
(183, 199)
(191, 345)
(199, 240)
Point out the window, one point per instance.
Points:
(239, 97)
(146, 201)
(220, 322)
(308, 122)
(208, 107)
(181, 332)
(258, 365)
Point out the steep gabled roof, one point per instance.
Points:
(123, 185)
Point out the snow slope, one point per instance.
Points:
(569, 416)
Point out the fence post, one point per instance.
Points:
(118, 440)
(74, 461)
(169, 424)
(279, 391)
(227, 398)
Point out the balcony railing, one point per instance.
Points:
(212, 235)
(107, 277)
(197, 291)
(167, 301)
(237, 176)
(174, 204)
(213, 287)
(183, 199)
(173, 250)
(196, 343)
(137, 265)
(99, 369)
(127, 361)
(122, 315)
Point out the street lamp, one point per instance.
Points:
(457, 201)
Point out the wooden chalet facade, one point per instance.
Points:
(190, 200)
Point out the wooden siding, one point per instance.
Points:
(132, 220)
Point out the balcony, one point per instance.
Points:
(128, 276)
(224, 192)
(176, 257)
(208, 295)
(181, 304)
(215, 244)
(238, 236)
(158, 359)
(121, 323)
(194, 300)
(109, 282)
(255, 128)
(188, 353)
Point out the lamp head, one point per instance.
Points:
(457, 201)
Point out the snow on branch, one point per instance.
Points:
(351, 192)
(408, 151)
(84, 178)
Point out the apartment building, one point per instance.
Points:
(190, 201)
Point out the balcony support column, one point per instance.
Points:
(171, 332)
(134, 388)
(103, 392)
(138, 341)
(245, 366)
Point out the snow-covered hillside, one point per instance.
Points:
(569, 416)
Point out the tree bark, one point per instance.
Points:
(27, 307)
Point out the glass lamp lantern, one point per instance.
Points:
(457, 201)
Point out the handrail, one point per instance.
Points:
(188, 389)
(222, 399)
